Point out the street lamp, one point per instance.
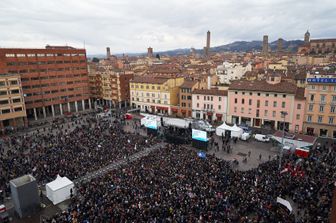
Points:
(283, 113)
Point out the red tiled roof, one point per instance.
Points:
(210, 92)
(282, 87)
(150, 80)
(188, 84)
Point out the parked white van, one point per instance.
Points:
(245, 136)
(261, 138)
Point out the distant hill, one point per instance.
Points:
(237, 46)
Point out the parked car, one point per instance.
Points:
(261, 138)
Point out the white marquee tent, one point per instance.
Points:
(59, 189)
(235, 130)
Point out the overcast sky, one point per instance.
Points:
(133, 25)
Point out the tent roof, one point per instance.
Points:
(59, 182)
(234, 128)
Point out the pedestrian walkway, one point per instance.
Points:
(117, 164)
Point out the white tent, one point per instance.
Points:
(235, 130)
(59, 189)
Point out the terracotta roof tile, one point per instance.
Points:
(150, 80)
(282, 87)
(210, 92)
(188, 84)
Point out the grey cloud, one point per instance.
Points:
(132, 26)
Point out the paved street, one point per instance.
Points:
(240, 151)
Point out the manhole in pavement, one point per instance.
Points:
(241, 154)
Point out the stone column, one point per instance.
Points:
(35, 114)
(83, 104)
(90, 104)
(61, 109)
(52, 110)
(119, 104)
(76, 106)
(69, 110)
(44, 112)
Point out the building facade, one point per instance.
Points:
(54, 80)
(260, 103)
(12, 106)
(228, 72)
(155, 94)
(320, 117)
(184, 109)
(115, 91)
(209, 104)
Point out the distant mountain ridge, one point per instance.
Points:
(237, 46)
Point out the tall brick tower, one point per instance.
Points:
(307, 37)
(279, 45)
(150, 52)
(108, 52)
(265, 45)
(207, 47)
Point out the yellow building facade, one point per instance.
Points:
(155, 94)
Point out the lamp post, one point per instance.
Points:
(283, 113)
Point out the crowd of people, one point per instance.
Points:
(90, 145)
(175, 185)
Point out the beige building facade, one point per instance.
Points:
(12, 106)
(320, 117)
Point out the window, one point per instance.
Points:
(310, 107)
(250, 110)
(265, 113)
(332, 109)
(16, 100)
(309, 118)
(2, 83)
(219, 107)
(319, 119)
(208, 98)
(243, 101)
(236, 92)
(250, 101)
(274, 114)
(235, 109)
(322, 98)
(197, 105)
(242, 110)
(324, 88)
(18, 109)
(211, 107)
(298, 106)
(334, 98)
(148, 100)
(14, 82)
(5, 111)
(298, 117)
(266, 103)
(258, 94)
(274, 104)
(267, 95)
(243, 93)
(219, 98)
(251, 93)
(204, 98)
(236, 100)
(3, 102)
(312, 96)
(275, 95)
(331, 120)
(197, 97)
(211, 98)
(284, 96)
(321, 108)
(3, 92)
(283, 104)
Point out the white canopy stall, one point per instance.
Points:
(59, 189)
(235, 130)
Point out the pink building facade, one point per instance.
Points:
(260, 103)
(209, 104)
